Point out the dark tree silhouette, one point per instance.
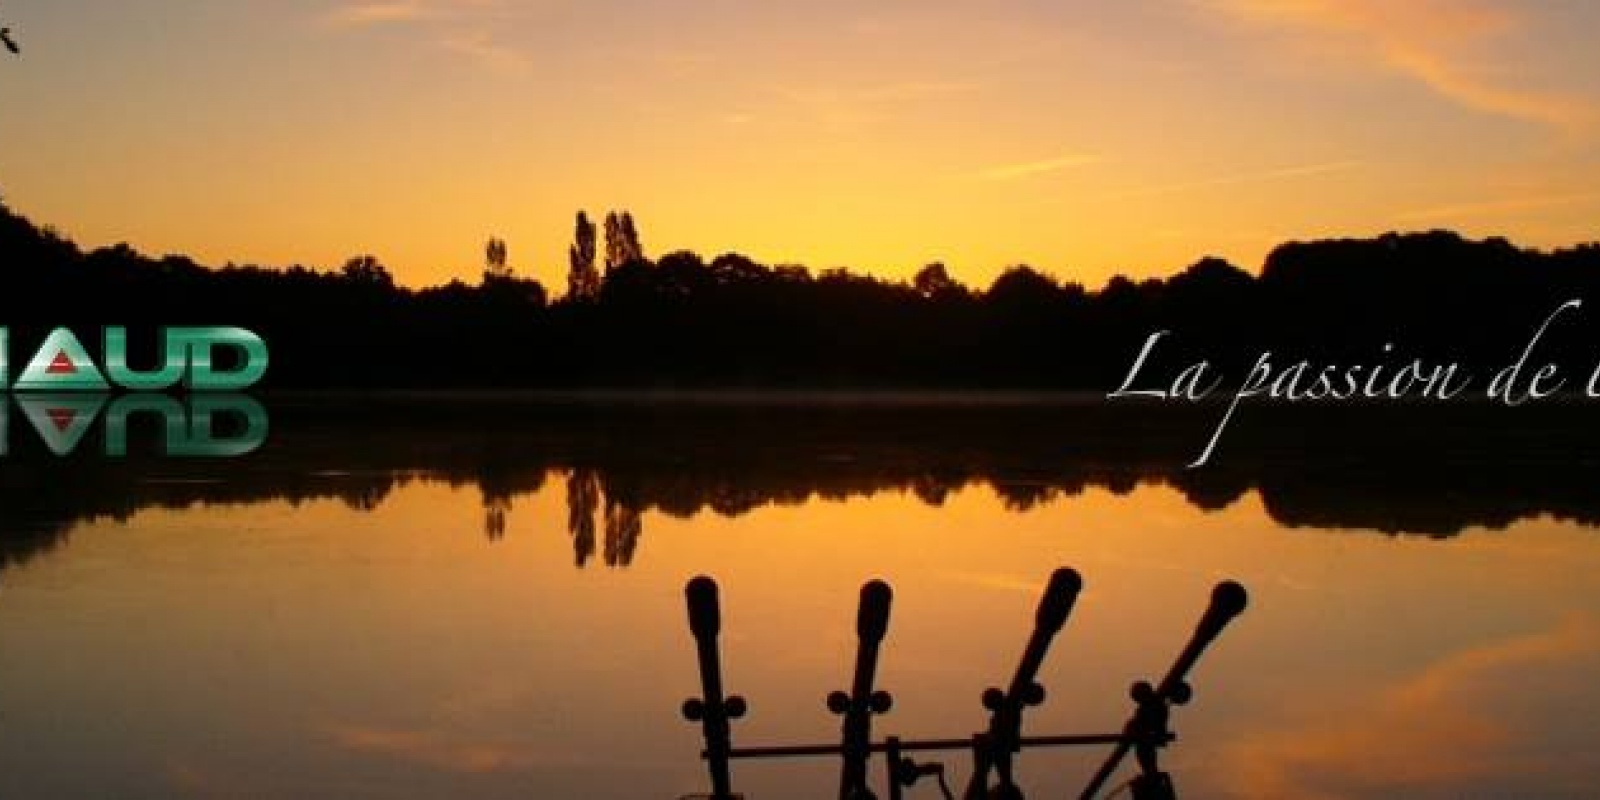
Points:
(494, 261)
(367, 270)
(583, 280)
(622, 241)
(616, 254)
(934, 282)
(630, 238)
(1021, 286)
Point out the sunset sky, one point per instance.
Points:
(1086, 138)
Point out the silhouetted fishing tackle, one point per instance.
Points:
(995, 749)
(711, 710)
(1147, 729)
(857, 707)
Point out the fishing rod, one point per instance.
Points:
(1153, 705)
(994, 750)
(711, 710)
(857, 707)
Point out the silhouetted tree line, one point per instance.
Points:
(682, 321)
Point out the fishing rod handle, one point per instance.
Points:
(705, 613)
(872, 616)
(1005, 718)
(1055, 605)
(1228, 600)
(1058, 599)
(857, 708)
(711, 710)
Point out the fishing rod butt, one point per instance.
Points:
(1228, 600)
(872, 618)
(1059, 597)
(705, 613)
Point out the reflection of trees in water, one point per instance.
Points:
(366, 498)
(19, 545)
(583, 499)
(617, 467)
(623, 517)
(1024, 496)
(495, 508)
(606, 505)
(499, 483)
(624, 522)
(623, 527)
(933, 488)
(41, 503)
(495, 483)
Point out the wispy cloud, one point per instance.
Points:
(854, 105)
(1028, 169)
(483, 48)
(1500, 207)
(1393, 742)
(381, 12)
(1258, 176)
(1442, 44)
(455, 26)
(431, 749)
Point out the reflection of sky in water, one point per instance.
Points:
(316, 650)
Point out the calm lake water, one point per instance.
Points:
(393, 601)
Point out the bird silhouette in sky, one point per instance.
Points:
(5, 36)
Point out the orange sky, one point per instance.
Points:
(1085, 138)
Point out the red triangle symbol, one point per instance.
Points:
(61, 365)
(62, 418)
